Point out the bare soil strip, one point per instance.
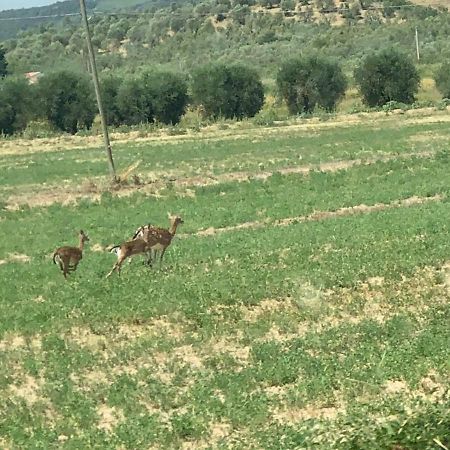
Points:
(322, 215)
(234, 131)
(36, 196)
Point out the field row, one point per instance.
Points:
(250, 152)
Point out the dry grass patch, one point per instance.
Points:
(109, 417)
(28, 390)
(291, 416)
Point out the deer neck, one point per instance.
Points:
(173, 228)
(81, 246)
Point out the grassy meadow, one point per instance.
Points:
(303, 304)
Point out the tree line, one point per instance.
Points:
(66, 99)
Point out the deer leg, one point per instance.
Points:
(116, 267)
(161, 256)
(150, 257)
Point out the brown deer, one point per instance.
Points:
(69, 257)
(148, 239)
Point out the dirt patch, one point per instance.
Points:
(109, 418)
(155, 327)
(15, 257)
(97, 248)
(188, 356)
(395, 387)
(295, 415)
(12, 342)
(254, 312)
(28, 390)
(86, 338)
(275, 334)
(240, 353)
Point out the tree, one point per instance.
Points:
(109, 88)
(168, 95)
(442, 78)
(387, 76)
(310, 81)
(133, 102)
(67, 100)
(229, 91)
(15, 104)
(3, 63)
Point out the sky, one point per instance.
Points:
(16, 4)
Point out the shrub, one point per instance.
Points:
(109, 88)
(442, 78)
(15, 104)
(152, 96)
(387, 76)
(228, 91)
(133, 102)
(68, 100)
(168, 95)
(305, 83)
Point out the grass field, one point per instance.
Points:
(304, 304)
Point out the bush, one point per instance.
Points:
(68, 100)
(228, 91)
(109, 88)
(152, 96)
(442, 78)
(168, 95)
(387, 76)
(15, 104)
(305, 83)
(133, 102)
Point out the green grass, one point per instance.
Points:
(328, 333)
(249, 151)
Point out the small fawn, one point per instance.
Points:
(148, 239)
(69, 257)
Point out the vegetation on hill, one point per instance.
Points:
(182, 34)
(182, 38)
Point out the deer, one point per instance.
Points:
(68, 257)
(148, 239)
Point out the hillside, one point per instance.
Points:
(262, 34)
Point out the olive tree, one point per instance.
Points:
(307, 82)
(388, 75)
(234, 91)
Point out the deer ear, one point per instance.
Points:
(169, 215)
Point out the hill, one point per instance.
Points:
(261, 33)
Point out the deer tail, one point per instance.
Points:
(115, 249)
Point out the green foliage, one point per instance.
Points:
(305, 83)
(15, 104)
(168, 95)
(109, 88)
(67, 100)
(236, 343)
(3, 63)
(442, 78)
(133, 102)
(155, 95)
(233, 91)
(387, 76)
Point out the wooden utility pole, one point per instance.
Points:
(112, 170)
(417, 45)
